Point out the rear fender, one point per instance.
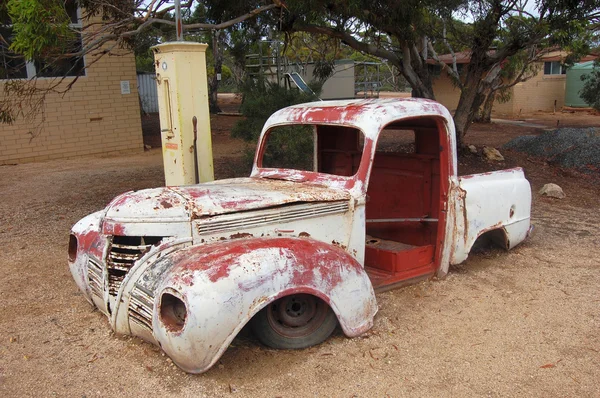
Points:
(500, 200)
(225, 284)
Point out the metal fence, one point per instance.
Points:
(148, 92)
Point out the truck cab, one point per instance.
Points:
(344, 198)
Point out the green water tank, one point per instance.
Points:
(574, 84)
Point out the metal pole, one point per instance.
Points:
(178, 20)
(278, 63)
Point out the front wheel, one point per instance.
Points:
(296, 321)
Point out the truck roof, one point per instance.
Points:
(369, 115)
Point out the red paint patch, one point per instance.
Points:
(91, 242)
(217, 260)
(113, 228)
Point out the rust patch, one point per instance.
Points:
(165, 204)
(173, 313)
(241, 235)
(304, 235)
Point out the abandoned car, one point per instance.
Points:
(301, 245)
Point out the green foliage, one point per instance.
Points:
(144, 62)
(261, 100)
(225, 72)
(289, 146)
(40, 28)
(142, 44)
(591, 87)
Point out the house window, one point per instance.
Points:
(13, 66)
(434, 70)
(554, 68)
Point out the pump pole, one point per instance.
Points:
(178, 22)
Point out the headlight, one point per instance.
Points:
(72, 248)
(173, 312)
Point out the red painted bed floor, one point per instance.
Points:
(390, 263)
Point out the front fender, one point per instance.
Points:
(224, 284)
(90, 243)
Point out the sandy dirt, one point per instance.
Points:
(519, 323)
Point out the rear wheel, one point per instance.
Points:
(296, 321)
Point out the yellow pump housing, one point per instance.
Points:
(181, 77)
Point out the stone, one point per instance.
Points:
(492, 153)
(473, 148)
(552, 191)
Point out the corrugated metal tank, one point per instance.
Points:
(574, 84)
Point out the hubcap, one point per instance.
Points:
(297, 315)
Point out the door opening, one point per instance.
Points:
(404, 200)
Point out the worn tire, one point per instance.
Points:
(294, 322)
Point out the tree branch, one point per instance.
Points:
(352, 42)
(451, 71)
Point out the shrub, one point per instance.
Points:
(291, 146)
(591, 87)
(260, 100)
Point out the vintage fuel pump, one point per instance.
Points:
(184, 115)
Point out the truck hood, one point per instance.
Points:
(218, 197)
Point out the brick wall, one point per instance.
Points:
(92, 118)
(445, 91)
(448, 95)
(535, 94)
(539, 93)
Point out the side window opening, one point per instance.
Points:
(290, 147)
(325, 149)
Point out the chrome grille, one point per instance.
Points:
(140, 306)
(95, 279)
(124, 252)
(239, 221)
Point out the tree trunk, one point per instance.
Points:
(213, 85)
(469, 102)
(486, 111)
(414, 70)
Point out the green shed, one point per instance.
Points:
(574, 84)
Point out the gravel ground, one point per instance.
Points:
(577, 148)
(519, 323)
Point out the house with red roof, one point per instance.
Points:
(543, 92)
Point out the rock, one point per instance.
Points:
(552, 191)
(473, 148)
(492, 153)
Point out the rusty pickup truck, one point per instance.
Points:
(301, 245)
